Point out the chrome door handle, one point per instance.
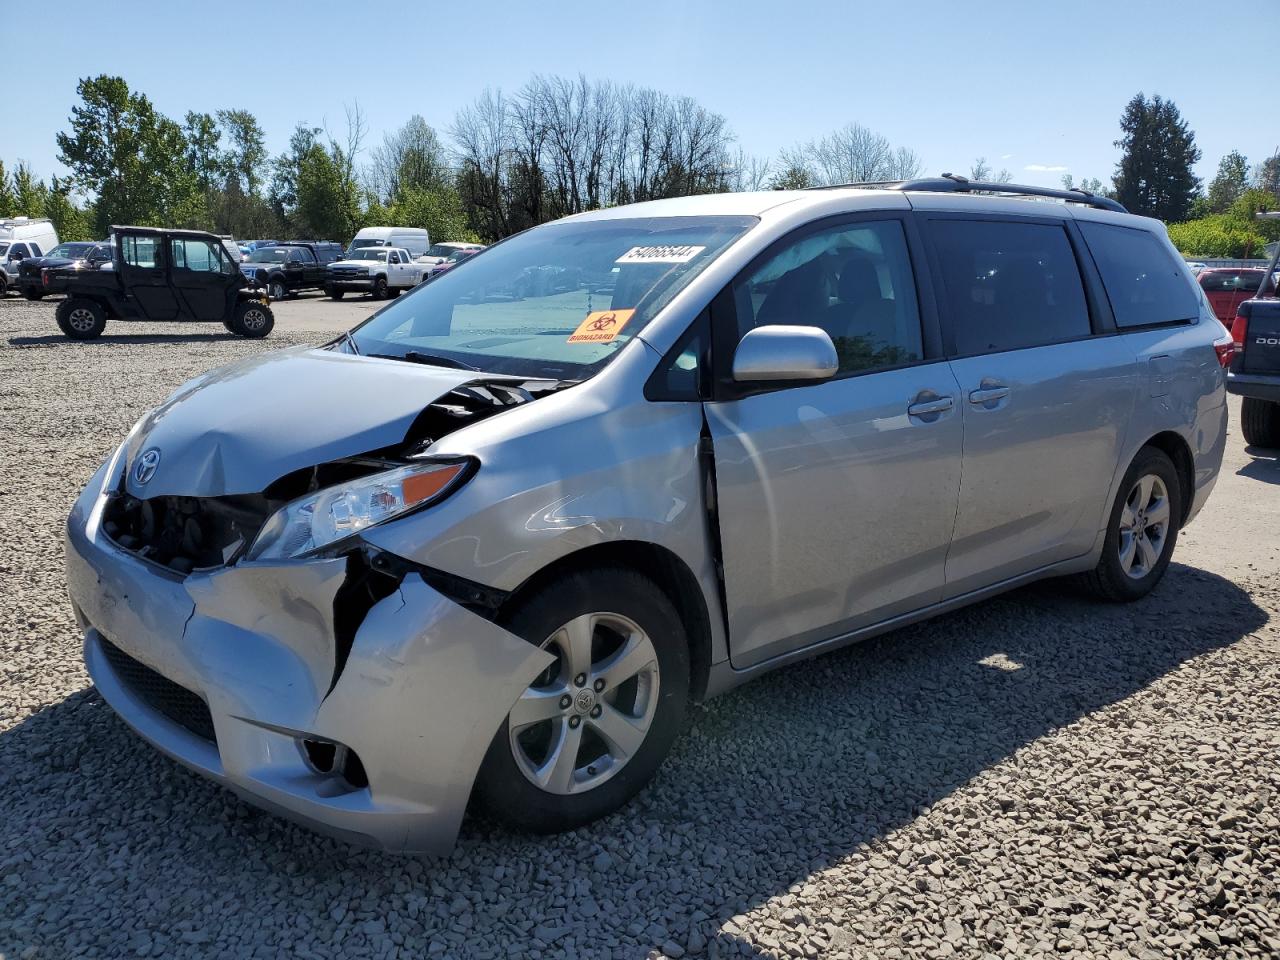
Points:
(925, 407)
(988, 395)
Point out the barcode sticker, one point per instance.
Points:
(668, 254)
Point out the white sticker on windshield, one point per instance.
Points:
(668, 254)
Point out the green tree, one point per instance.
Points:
(794, 176)
(8, 202)
(1230, 182)
(204, 155)
(247, 150)
(1268, 178)
(70, 221)
(438, 211)
(1155, 174)
(283, 195)
(130, 156)
(328, 204)
(28, 192)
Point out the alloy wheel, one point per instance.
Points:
(1144, 526)
(588, 713)
(253, 319)
(81, 320)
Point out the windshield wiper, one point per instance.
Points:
(349, 340)
(432, 359)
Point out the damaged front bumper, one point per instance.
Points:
(417, 699)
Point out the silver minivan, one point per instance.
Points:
(486, 547)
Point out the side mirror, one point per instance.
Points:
(781, 352)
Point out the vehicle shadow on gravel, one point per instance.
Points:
(1264, 464)
(137, 339)
(107, 847)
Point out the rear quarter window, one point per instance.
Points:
(1145, 284)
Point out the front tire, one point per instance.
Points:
(380, 288)
(1260, 422)
(1142, 530)
(276, 290)
(333, 294)
(253, 320)
(594, 726)
(81, 319)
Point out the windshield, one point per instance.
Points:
(360, 244)
(273, 255)
(369, 253)
(4, 247)
(70, 250)
(555, 302)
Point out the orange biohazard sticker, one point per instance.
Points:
(601, 326)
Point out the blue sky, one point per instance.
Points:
(1032, 86)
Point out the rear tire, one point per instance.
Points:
(253, 320)
(33, 294)
(81, 319)
(634, 663)
(1260, 422)
(1142, 530)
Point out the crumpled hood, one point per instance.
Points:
(236, 429)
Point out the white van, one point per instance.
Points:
(413, 239)
(20, 238)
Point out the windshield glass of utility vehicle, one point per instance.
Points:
(70, 250)
(557, 301)
(265, 255)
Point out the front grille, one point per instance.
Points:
(160, 693)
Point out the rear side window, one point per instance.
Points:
(1144, 282)
(1010, 285)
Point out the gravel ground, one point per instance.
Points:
(1035, 774)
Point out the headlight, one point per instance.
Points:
(327, 516)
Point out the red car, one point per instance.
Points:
(1228, 287)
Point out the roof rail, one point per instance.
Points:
(954, 183)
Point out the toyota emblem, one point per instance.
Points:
(146, 466)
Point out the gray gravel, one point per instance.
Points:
(1036, 774)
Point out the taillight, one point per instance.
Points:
(44, 277)
(1225, 348)
(1239, 330)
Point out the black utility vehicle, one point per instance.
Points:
(285, 268)
(87, 254)
(159, 275)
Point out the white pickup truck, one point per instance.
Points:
(381, 271)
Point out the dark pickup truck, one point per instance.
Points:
(84, 254)
(1254, 373)
(168, 275)
(283, 269)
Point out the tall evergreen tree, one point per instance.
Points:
(1154, 176)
